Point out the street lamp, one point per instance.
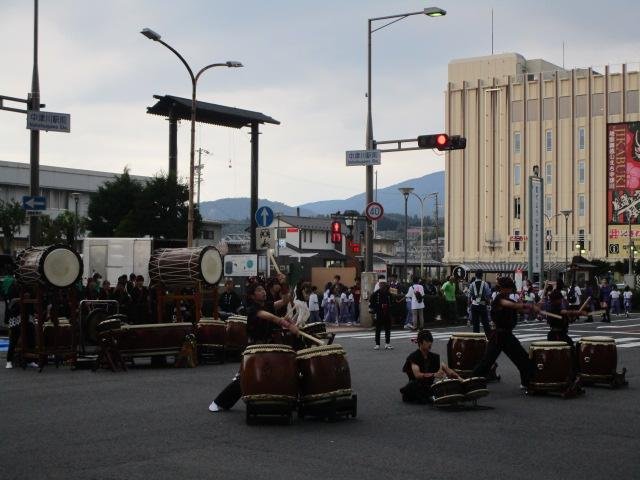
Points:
(406, 191)
(76, 198)
(566, 214)
(370, 144)
(151, 35)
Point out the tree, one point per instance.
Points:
(111, 203)
(12, 216)
(157, 208)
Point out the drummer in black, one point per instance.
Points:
(504, 318)
(423, 367)
(260, 327)
(559, 327)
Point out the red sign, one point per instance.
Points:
(292, 230)
(355, 247)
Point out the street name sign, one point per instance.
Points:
(49, 121)
(265, 238)
(357, 158)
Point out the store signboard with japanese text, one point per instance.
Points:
(623, 187)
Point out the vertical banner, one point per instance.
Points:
(623, 187)
(536, 229)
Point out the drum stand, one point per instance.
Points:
(330, 409)
(41, 352)
(615, 380)
(195, 297)
(275, 410)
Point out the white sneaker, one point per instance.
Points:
(33, 365)
(376, 347)
(388, 347)
(9, 365)
(407, 326)
(214, 407)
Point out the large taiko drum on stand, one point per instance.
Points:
(153, 339)
(465, 350)
(597, 359)
(56, 266)
(552, 363)
(324, 374)
(268, 374)
(174, 267)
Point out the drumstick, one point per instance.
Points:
(595, 312)
(310, 337)
(549, 314)
(585, 303)
(273, 259)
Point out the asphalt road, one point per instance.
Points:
(154, 423)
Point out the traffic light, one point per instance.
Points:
(442, 141)
(336, 232)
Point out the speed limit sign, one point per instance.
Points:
(374, 211)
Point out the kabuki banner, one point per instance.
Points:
(623, 187)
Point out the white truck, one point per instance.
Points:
(112, 257)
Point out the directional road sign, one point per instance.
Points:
(264, 216)
(34, 203)
(374, 211)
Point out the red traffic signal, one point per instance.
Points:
(442, 141)
(336, 232)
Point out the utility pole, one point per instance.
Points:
(34, 105)
(199, 168)
(437, 236)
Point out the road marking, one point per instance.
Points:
(619, 326)
(629, 345)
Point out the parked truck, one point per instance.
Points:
(112, 257)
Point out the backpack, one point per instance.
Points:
(571, 295)
(418, 295)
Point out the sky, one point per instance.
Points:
(305, 64)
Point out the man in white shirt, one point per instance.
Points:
(416, 293)
(314, 306)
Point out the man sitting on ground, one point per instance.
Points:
(423, 367)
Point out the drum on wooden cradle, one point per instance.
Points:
(597, 358)
(236, 333)
(175, 267)
(475, 387)
(211, 333)
(324, 373)
(153, 339)
(317, 329)
(448, 392)
(552, 363)
(57, 337)
(56, 266)
(465, 350)
(268, 374)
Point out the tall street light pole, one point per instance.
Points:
(76, 198)
(150, 34)
(34, 97)
(566, 214)
(370, 143)
(406, 191)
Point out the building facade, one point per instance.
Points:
(522, 115)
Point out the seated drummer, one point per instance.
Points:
(423, 367)
(260, 327)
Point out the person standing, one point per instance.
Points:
(615, 300)
(605, 300)
(503, 315)
(314, 305)
(627, 298)
(356, 301)
(449, 291)
(380, 304)
(416, 294)
(261, 325)
(479, 298)
(140, 306)
(574, 296)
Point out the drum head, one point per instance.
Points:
(598, 339)
(211, 266)
(61, 267)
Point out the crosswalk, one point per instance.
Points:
(525, 335)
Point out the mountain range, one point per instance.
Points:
(226, 209)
